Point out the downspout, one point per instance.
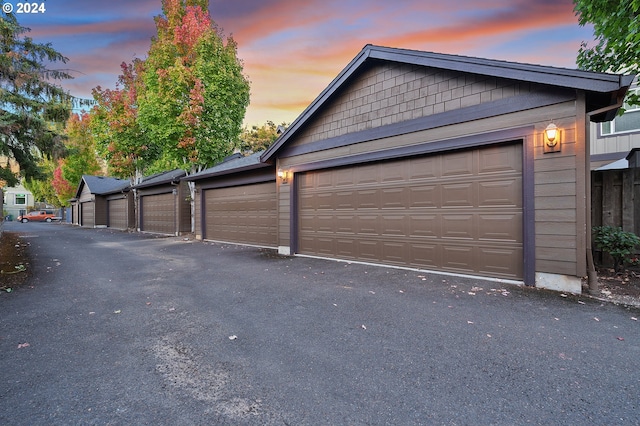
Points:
(176, 206)
(592, 275)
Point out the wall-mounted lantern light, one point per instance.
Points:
(551, 138)
(283, 175)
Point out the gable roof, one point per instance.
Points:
(231, 165)
(172, 176)
(603, 90)
(102, 185)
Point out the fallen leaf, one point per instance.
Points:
(23, 345)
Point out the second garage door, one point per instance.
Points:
(244, 214)
(158, 213)
(118, 214)
(458, 212)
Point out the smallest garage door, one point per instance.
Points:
(158, 213)
(244, 214)
(118, 213)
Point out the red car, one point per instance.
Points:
(38, 216)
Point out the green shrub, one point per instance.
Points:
(617, 243)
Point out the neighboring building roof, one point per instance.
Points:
(102, 185)
(603, 90)
(172, 176)
(622, 163)
(231, 165)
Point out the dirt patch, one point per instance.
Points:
(14, 261)
(622, 287)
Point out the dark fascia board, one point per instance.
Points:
(213, 174)
(561, 77)
(172, 176)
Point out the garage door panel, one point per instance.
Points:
(459, 258)
(394, 198)
(458, 195)
(500, 193)
(395, 225)
(457, 164)
(395, 252)
(497, 261)
(500, 227)
(425, 196)
(425, 225)
(394, 172)
(244, 214)
(368, 250)
(425, 255)
(421, 168)
(499, 158)
(459, 212)
(368, 199)
(458, 226)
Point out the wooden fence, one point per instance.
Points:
(615, 201)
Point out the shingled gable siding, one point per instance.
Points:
(391, 94)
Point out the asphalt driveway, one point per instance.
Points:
(117, 328)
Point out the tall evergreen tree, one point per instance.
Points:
(33, 107)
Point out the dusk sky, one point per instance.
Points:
(292, 49)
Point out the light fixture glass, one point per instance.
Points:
(552, 132)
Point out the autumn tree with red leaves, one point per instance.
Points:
(114, 123)
(193, 95)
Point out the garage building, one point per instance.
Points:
(445, 163)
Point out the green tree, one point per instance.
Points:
(259, 138)
(32, 106)
(115, 128)
(194, 96)
(616, 29)
(41, 187)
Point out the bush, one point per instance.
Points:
(617, 243)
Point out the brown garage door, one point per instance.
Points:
(242, 214)
(458, 212)
(118, 213)
(87, 214)
(158, 213)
